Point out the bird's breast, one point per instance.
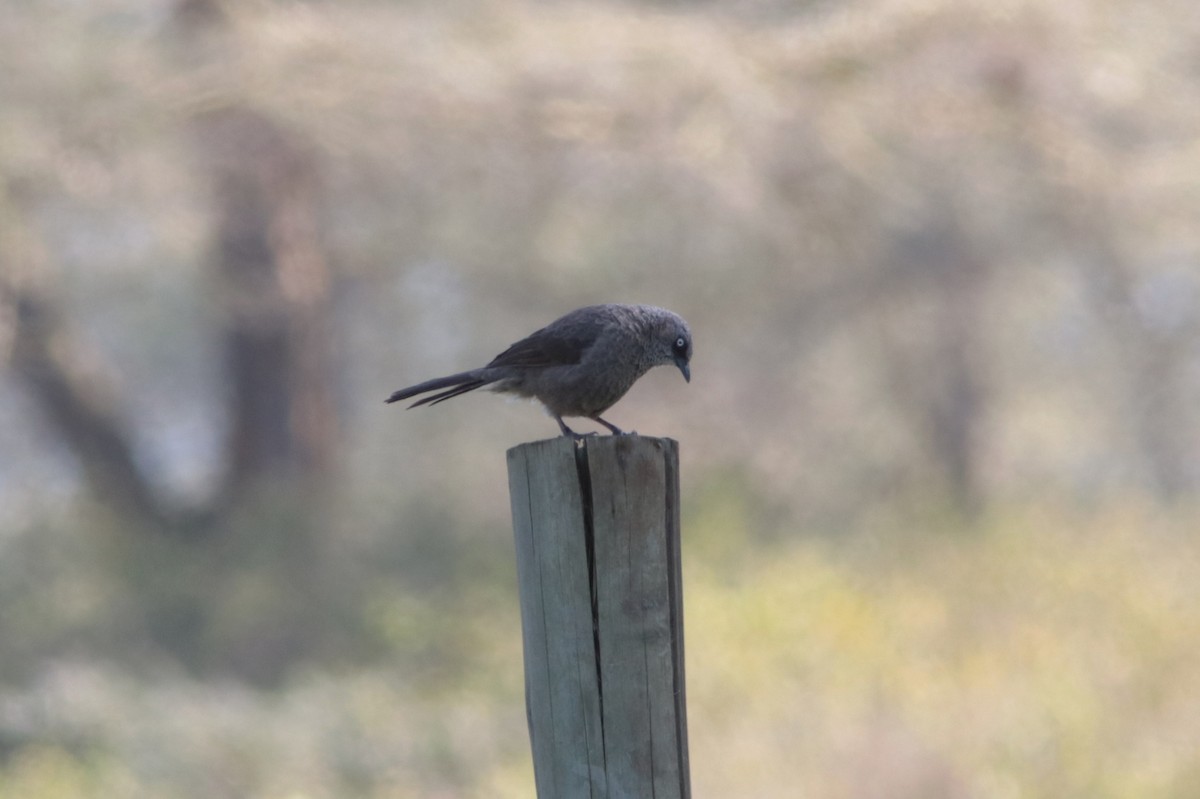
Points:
(579, 391)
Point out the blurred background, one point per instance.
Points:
(939, 455)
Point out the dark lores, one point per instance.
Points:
(578, 365)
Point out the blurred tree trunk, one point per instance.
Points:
(938, 380)
(274, 295)
(272, 276)
(955, 404)
(1090, 208)
(185, 567)
(1154, 358)
(274, 291)
(75, 395)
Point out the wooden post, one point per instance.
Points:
(597, 536)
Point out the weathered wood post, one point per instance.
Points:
(597, 537)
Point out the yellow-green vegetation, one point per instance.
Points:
(1041, 655)
(1038, 654)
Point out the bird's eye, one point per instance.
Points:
(680, 344)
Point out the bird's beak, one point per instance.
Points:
(683, 367)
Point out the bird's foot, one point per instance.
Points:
(569, 433)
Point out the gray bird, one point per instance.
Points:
(578, 365)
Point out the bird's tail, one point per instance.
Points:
(457, 384)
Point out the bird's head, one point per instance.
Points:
(672, 340)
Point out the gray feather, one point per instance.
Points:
(579, 364)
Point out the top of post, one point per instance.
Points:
(625, 443)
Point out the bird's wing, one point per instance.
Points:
(546, 348)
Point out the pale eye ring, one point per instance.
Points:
(680, 343)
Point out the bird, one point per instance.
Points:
(578, 365)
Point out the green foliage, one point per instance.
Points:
(1045, 655)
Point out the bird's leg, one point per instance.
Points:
(566, 431)
(616, 431)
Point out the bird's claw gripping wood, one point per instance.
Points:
(578, 365)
